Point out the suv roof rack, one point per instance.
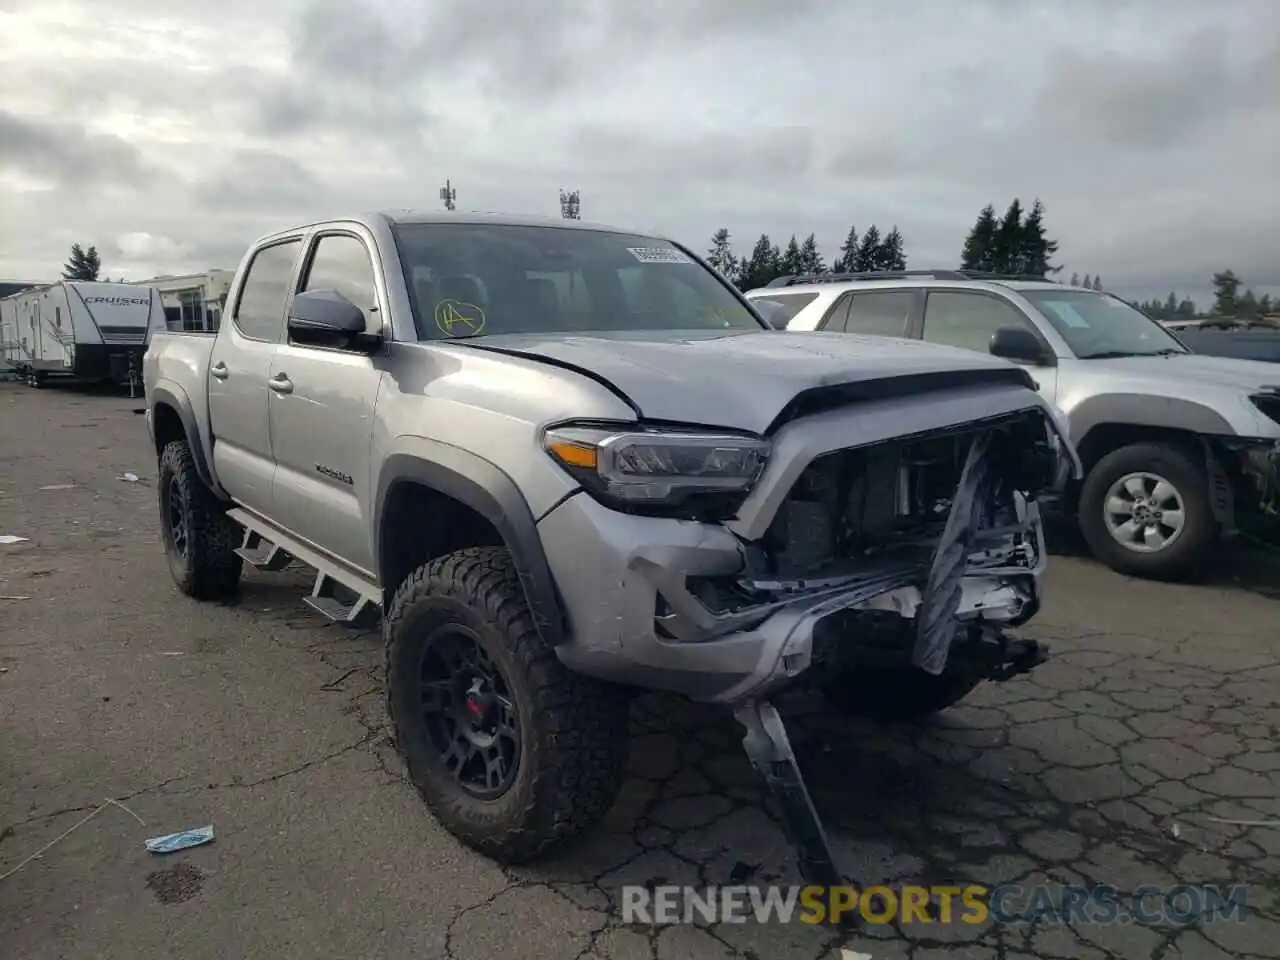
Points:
(900, 275)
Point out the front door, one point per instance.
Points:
(322, 401)
(238, 370)
(969, 318)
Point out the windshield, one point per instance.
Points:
(1098, 325)
(477, 279)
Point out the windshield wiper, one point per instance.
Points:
(1116, 354)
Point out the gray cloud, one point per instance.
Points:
(1150, 129)
(67, 153)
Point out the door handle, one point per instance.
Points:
(281, 383)
(219, 370)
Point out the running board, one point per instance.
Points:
(268, 548)
(259, 552)
(323, 600)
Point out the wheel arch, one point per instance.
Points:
(172, 419)
(474, 503)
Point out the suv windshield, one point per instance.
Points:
(477, 279)
(1098, 325)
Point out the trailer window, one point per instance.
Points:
(260, 307)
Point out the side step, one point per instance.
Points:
(268, 548)
(324, 600)
(258, 551)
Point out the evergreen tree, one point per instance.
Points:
(1187, 309)
(1226, 293)
(1248, 305)
(891, 255)
(848, 253)
(1097, 282)
(1008, 245)
(1171, 304)
(789, 264)
(720, 255)
(1075, 279)
(979, 246)
(868, 251)
(811, 262)
(1265, 305)
(1035, 250)
(83, 265)
(761, 266)
(1088, 284)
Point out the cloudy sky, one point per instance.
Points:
(171, 133)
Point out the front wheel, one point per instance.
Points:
(1145, 510)
(514, 753)
(200, 541)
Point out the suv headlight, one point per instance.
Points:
(634, 467)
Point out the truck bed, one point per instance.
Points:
(177, 362)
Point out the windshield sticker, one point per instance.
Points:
(658, 255)
(457, 318)
(1067, 314)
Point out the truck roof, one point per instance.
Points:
(398, 216)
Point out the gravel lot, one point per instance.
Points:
(1157, 719)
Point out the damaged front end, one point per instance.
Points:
(919, 510)
(939, 531)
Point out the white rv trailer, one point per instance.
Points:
(80, 330)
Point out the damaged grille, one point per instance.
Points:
(893, 500)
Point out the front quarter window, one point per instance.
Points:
(484, 279)
(1097, 326)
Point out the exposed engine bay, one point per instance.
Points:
(901, 528)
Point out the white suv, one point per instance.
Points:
(1177, 448)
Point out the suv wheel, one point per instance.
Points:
(513, 752)
(200, 541)
(1145, 511)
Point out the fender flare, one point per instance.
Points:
(1139, 410)
(172, 395)
(485, 488)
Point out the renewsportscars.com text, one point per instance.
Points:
(1009, 904)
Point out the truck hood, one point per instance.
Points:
(748, 380)
(1184, 370)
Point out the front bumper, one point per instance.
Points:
(633, 618)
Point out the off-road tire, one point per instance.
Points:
(895, 694)
(208, 568)
(1184, 559)
(574, 730)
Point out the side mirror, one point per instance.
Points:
(1018, 344)
(327, 318)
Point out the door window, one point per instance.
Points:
(879, 313)
(260, 308)
(790, 303)
(341, 262)
(967, 320)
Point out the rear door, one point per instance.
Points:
(239, 368)
(969, 318)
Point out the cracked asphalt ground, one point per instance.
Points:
(1156, 721)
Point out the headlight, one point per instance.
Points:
(669, 467)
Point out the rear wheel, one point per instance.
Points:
(200, 541)
(1145, 510)
(514, 753)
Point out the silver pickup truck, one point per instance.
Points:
(564, 462)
